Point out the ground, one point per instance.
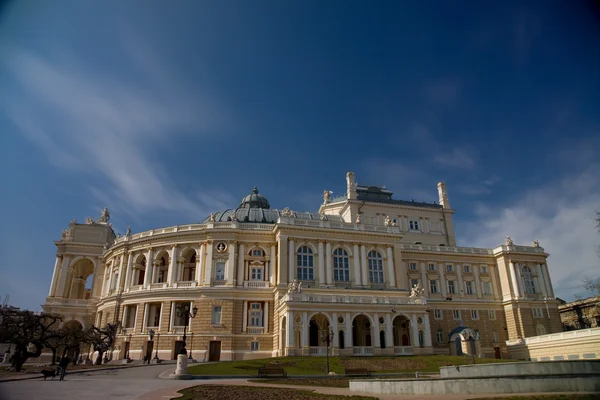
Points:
(216, 392)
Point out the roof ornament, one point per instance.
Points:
(89, 220)
(212, 217)
(388, 221)
(323, 217)
(508, 241)
(286, 212)
(535, 243)
(327, 196)
(358, 219)
(128, 231)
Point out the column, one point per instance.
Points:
(461, 286)
(540, 280)
(520, 281)
(348, 333)
(391, 272)
(389, 332)
(289, 330)
(477, 281)
(111, 277)
(549, 288)
(414, 330)
(172, 319)
(199, 264)
(305, 323)
(356, 256)
(55, 275)
(172, 272)
(291, 253)
(495, 289)
(148, 274)
(328, 267)
(128, 271)
(145, 320)
(230, 264)
(62, 279)
(272, 265)
(321, 278)
(208, 266)
(364, 266)
(240, 266)
(94, 287)
(245, 317)
(375, 334)
(427, 331)
(442, 280)
(335, 329)
(424, 283)
(266, 318)
(121, 266)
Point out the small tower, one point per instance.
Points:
(443, 195)
(350, 186)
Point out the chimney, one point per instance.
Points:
(443, 196)
(350, 186)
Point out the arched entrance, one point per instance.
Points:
(464, 341)
(401, 335)
(80, 280)
(318, 328)
(362, 336)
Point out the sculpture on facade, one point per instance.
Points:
(295, 287)
(358, 219)
(234, 217)
(508, 241)
(89, 220)
(323, 217)
(387, 221)
(536, 243)
(326, 196)
(212, 217)
(105, 216)
(128, 231)
(417, 291)
(64, 234)
(286, 212)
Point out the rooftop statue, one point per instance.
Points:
(128, 231)
(89, 220)
(388, 221)
(105, 216)
(326, 196)
(508, 241)
(286, 212)
(212, 217)
(358, 219)
(536, 243)
(417, 291)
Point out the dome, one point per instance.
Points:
(255, 200)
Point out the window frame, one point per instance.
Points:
(375, 264)
(433, 286)
(451, 286)
(220, 275)
(216, 311)
(437, 314)
(456, 315)
(341, 265)
(469, 288)
(474, 314)
(305, 263)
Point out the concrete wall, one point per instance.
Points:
(573, 345)
(524, 384)
(521, 369)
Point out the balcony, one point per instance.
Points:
(184, 284)
(255, 330)
(68, 302)
(344, 299)
(256, 284)
(161, 285)
(218, 282)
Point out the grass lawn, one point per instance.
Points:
(316, 365)
(233, 392)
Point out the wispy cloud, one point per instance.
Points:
(560, 215)
(108, 125)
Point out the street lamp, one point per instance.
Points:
(186, 314)
(327, 336)
(157, 341)
(191, 345)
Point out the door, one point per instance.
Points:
(458, 343)
(177, 349)
(149, 348)
(214, 352)
(497, 352)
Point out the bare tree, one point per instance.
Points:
(28, 331)
(103, 339)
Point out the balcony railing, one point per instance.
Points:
(362, 351)
(256, 284)
(342, 284)
(307, 283)
(328, 298)
(403, 350)
(318, 351)
(182, 284)
(255, 330)
(161, 285)
(218, 282)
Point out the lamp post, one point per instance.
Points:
(157, 341)
(186, 314)
(327, 336)
(191, 345)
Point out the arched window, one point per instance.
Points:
(341, 265)
(375, 267)
(528, 280)
(305, 264)
(382, 339)
(421, 339)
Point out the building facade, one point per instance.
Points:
(381, 276)
(580, 314)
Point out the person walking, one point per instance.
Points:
(64, 362)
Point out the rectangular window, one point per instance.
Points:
(220, 271)
(474, 314)
(437, 314)
(440, 336)
(254, 346)
(492, 314)
(180, 311)
(257, 253)
(467, 268)
(469, 287)
(483, 269)
(456, 314)
(256, 274)
(256, 315)
(433, 286)
(451, 287)
(216, 315)
(449, 268)
(414, 225)
(130, 317)
(412, 266)
(538, 312)
(494, 337)
(431, 267)
(153, 319)
(487, 288)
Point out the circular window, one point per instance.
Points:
(340, 320)
(381, 320)
(420, 320)
(298, 318)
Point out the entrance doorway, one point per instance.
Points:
(497, 352)
(177, 348)
(149, 348)
(214, 352)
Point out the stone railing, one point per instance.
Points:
(403, 350)
(256, 284)
(255, 330)
(362, 351)
(556, 337)
(69, 302)
(184, 284)
(218, 282)
(346, 299)
(446, 249)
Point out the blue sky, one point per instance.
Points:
(166, 111)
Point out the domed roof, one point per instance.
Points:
(255, 200)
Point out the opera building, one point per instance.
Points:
(380, 276)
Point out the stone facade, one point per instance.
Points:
(580, 314)
(383, 276)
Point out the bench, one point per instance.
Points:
(357, 372)
(263, 372)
